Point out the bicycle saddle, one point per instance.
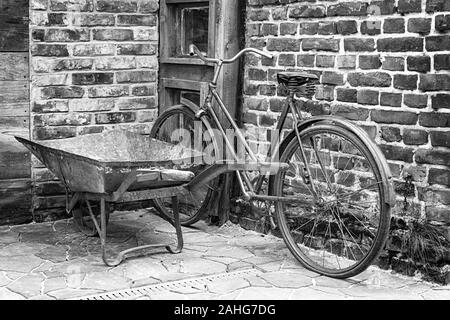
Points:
(295, 79)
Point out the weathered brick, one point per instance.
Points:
(253, 29)
(115, 63)
(348, 9)
(437, 5)
(437, 213)
(394, 64)
(116, 6)
(325, 61)
(409, 6)
(440, 101)
(415, 137)
(433, 195)
(346, 27)
(370, 97)
(434, 82)
(73, 5)
(50, 106)
(391, 99)
(136, 49)
(346, 62)
(418, 101)
(108, 91)
(359, 44)
(334, 78)
(433, 156)
(419, 25)
(136, 103)
(283, 44)
(258, 15)
(73, 64)
(113, 34)
(306, 60)
(369, 79)
(324, 92)
(145, 34)
(434, 120)
(287, 60)
(397, 153)
(91, 20)
(442, 23)
(288, 28)
(309, 28)
(442, 62)
(350, 112)
(92, 78)
(91, 105)
(269, 29)
(115, 117)
(39, 4)
(419, 63)
(346, 95)
(400, 44)
(135, 76)
(405, 81)
(137, 20)
(437, 43)
(440, 138)
(383, 7)
(267, 90)
(439, 176)
(257, 74)
(66, 35)
(92, 49)
(280, 13)
(369, 62)
(327, 28)
(394, 117)
(61, 119)
(50, 133)
(144, 90)
(322, 44)
(371, 28)
(49, 50)
(307, 11)
(391, 134)
(394, 25)
(61, 92)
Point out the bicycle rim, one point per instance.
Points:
(340, 232)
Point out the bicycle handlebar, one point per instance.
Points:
(193, 50)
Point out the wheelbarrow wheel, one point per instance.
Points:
(83, 219)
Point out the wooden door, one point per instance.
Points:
(15, 160)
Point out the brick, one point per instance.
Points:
(371, 28)
(50, 133)
(434, 120)
(280, 13)
(439, 176)
(324, 92)
(116, 6)
(369, 62)
(56, 19)
(442, 23)
(267, 90)
(440, 101)
(73, 5)
(348, 9)
(437, 43)
(49, 50)
(283, 44)
(50, 80)
(38, 34)
(394, 117)
(400, 44)
(306, 60)
(145, 34)
(257, 74)
(419, 63)
(108, 91)
(397, 153)
(309, 28)
(442, 62)
(258, 15)
(394, 25)
(266, 121)
(440, 138)
(144, 90)
(135, 76)
(253, 29)
(369, 97)
(50, 106)
(419, 25)
(269, 29)
(66, 35)
(384, 7)
(391, 134)
(327, 28)
(437, 5)
(409, 6)
(137, 20)
(256, 104)
(346, 95)
(276, 105)
(113, 34)
(431, 195)
(359, 44)
(136, 103)
(91, 105)
(433, 156)
(61, 92)
(418, 101)
(393, 64)
(73, 64)
(287, 60)
(92, 20)
(405, 82)
(307, 11)
(415, 137)
(92, 78)
(369, 79)
(288, 29)
(346, 27)
(61, 119)
(437, 213)
(333, 78)
(115, 117)
(324, 61)
(136, 49)
(115, 63)
(86, 50)
(434, 82)
(350, 112)
(39, 4)
(346, 62)
(320, 44)
(391, 99)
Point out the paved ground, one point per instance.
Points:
(54, 261)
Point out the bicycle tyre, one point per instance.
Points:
(188, 214)
(295, 239)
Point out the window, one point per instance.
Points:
(194, 28)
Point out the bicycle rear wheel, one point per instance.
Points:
(340, 231)
(178, 125)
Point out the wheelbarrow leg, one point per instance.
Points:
(177, 225)
(121, 256)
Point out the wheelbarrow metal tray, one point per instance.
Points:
(98, 163)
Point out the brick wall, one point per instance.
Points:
(383, 64)
(94, 66)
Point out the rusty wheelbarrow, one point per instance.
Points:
(120, 166)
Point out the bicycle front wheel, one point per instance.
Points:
(339, 228)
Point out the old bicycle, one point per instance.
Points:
(332, 205)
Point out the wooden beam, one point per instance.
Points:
(14, 66)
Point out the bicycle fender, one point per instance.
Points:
(374, 149)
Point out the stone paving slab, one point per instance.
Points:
(54, 261)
